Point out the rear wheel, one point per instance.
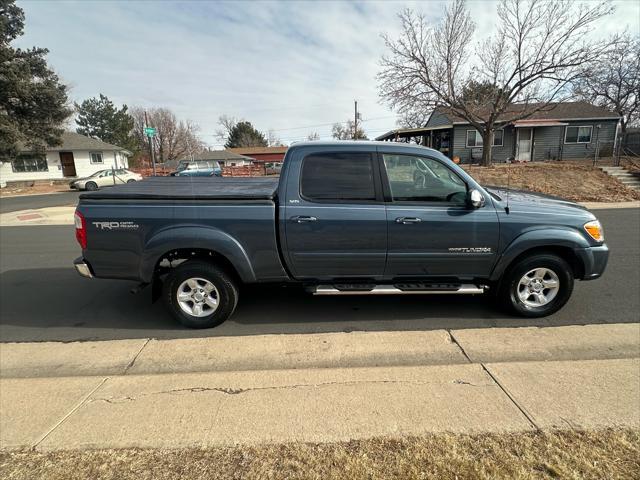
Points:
(91, 186)
(537, 286)
(200, 294)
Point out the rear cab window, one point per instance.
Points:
(339, 177)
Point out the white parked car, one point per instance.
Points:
(105, 178)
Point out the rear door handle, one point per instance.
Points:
(408, 220)
(303, 219)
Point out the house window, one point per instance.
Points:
(30, 164)
(96, 157)
(578, 134)
(498, 138)
(474, 138)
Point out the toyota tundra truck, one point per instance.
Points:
(344, 218)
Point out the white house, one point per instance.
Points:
(78, 156)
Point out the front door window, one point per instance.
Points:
(418, 179)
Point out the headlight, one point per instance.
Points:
(594, 229)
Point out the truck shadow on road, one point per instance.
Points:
(58, 305)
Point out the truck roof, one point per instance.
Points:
(185, 188)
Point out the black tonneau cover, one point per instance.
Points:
(188, 188)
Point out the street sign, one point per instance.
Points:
(150, 131)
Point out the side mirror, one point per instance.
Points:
(475, 199)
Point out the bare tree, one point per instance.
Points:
(347, 131)
(539, 49)
(227, 125)
(614, 81)
(413, 118)
(175, 139)
(313, 136)
(273, 140)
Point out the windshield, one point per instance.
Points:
(97, 174)
(182, 166)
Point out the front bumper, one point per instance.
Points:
(594, 260)
(82, 267)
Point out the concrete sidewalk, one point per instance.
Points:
(39, 216)
(315, 405)
(320, 388)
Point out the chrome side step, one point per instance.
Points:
(465, 289)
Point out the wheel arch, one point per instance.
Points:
(184, 243)
(560, 242)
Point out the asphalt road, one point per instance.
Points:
(26, 202)
(42, 298)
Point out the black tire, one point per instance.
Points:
(509, 298)
(223, 282)
(91, 186)
(131, 180)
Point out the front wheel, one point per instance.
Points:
(91, 186)
(537, 286)
(131, 180)
(200, 294)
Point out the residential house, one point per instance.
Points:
(262, 154)
(78, 156)
(566, 130)
(224, 158)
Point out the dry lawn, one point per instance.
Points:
(607, 454)
(571, 180)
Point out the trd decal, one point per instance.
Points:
(116, 225)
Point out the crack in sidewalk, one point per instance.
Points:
(82, 402)
(126, 369)
(523, 410)
(454, 340)
(238, 391)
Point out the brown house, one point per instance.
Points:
(262, 154)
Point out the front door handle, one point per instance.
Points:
(408, 220)
(303, 219)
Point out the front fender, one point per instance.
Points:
(187, 236)
(544, 237)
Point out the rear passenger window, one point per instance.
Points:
(337, 176)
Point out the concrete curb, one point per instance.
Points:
(610, 205)
(318, 351)
(2, 195)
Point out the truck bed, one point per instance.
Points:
(189, 188)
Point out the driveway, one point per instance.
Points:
(42, 298)
(27, 202)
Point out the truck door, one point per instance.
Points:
(334, 216)
(432, 232)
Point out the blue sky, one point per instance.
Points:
(281, 65)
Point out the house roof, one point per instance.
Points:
(258, 150)
(554, 111)
(75, 141)
(218, 155)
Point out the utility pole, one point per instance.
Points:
(355, 119)
(153, 158)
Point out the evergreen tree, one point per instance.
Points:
(100, 118)
(33, 101)
(243, 134)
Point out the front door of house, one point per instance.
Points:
(68, 165)
(523, 153)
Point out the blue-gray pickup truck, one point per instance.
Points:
(344, 218)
